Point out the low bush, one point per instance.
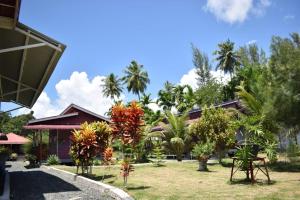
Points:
(13, 156)
(53, 160)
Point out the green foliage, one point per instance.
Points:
(176, 134)
(28, 148)
(4, 151)
(209, 94)
(180, 97)
(112, 86)
(166, 98)
(271, 151)
(226, 56)
(157, 154)
(14, 124)
(53, 160)
(244, 155)
(202, 151)
(293, 150)
(96, 162)
(13, 156)
(32, 159)
(202, 65)
(215, 125)
(136, 78)
(151, 117)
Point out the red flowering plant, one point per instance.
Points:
(126, 125)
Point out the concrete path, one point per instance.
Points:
(43, 184)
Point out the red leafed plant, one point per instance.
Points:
(126, 168)
(127, 122)
(107, 156)
(126, 125)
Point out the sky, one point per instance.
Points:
(102, 37)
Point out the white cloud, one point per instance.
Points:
(289, 17)
(251, 42)
(78, 89)
(190, 78)
(154, 106)
(233, 11)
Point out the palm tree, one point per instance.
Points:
(166, 99)
(175, 133)
(227, 57)
(112, 86)
(135, 78)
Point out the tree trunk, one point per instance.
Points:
(202, 165)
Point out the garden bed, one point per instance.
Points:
(182, 181)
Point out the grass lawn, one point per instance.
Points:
(181, 180)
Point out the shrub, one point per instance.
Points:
(32, 159)
(96, 162)
(158, 155)
(13, 156)
(270, 150)
(53, 160)
(4, 151)
(203, 151)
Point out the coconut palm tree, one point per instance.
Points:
(112, 86)
(166, 99)
(226, 56)
(136, 78)
(175, 133)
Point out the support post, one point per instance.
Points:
(57, 143)
(40, 144)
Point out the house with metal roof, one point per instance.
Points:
(60, 128)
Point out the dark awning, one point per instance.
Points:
(27, 60)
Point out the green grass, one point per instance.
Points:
(181, 180)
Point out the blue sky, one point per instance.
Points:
(104, 36)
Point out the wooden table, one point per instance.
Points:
(257, 163)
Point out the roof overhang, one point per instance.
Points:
(27, 60)
(52, 127)
(9, 13)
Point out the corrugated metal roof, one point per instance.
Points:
(14, 139)
(27, 60)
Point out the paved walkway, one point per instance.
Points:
(44, 184)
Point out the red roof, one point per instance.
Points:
(51, 127)
(14, 139)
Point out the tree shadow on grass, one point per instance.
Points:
(138, 187)
(285, 167)
(99, 177)
(260, 182)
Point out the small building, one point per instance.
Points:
(13, 142)
(60, 128)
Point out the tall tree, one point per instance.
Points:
(202, 65)
(284, 79)
(227, 58)
(165, 96)
(136, 78)
(112, 86)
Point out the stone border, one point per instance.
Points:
(6, 188)
(111, 191)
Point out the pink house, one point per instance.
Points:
(60, 128)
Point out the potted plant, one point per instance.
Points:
(202, 152)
